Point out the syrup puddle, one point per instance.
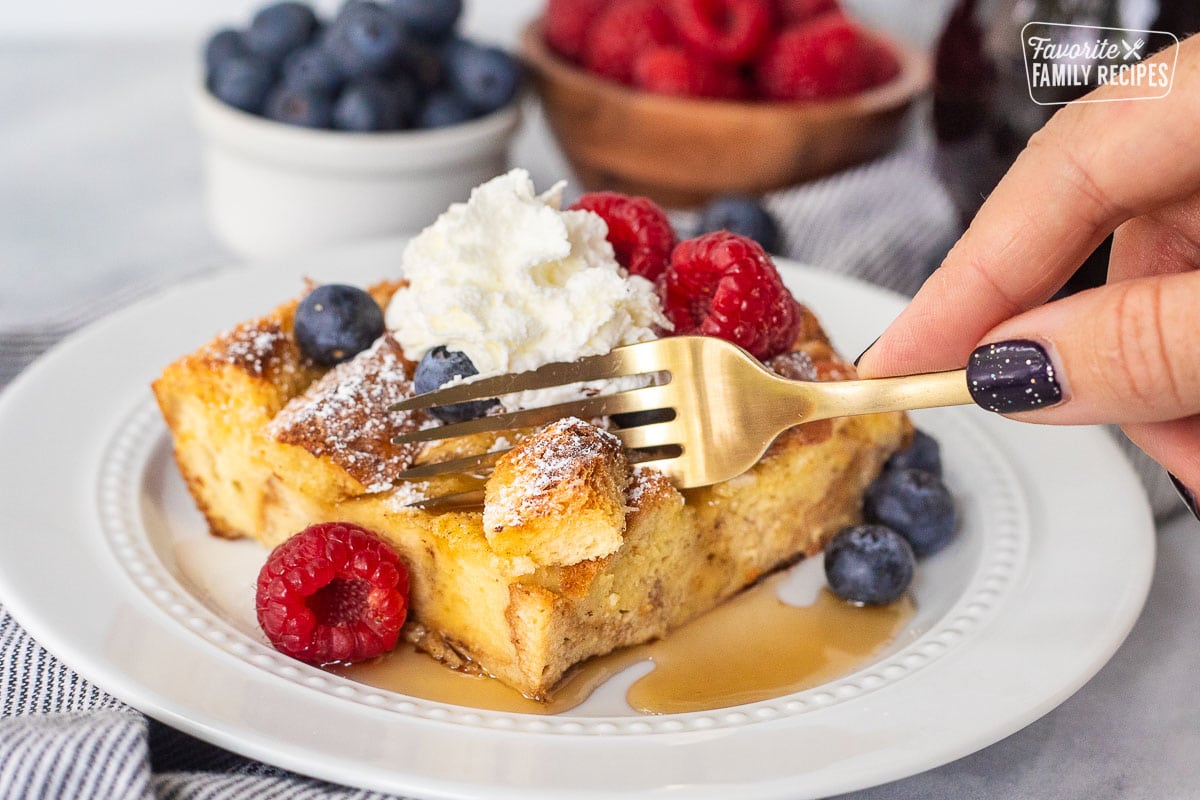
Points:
(752, 647)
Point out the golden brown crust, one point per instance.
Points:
(575, 580)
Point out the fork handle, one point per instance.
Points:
(904, 393)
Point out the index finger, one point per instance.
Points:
(1092, 167)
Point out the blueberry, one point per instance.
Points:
(372, 104)
(442, 109)
(423, 64)
(869, 564)
(430, 20)
(486, 77)
(914, 503)
(440, 366)
(335, 322)
(243, 82)
(222, 46)
(313, 67)
(366, 39)
(924, 453)
(304, 106)
(742, 215)
(280, 28)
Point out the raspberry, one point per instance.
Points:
(793, 12)
(729, 31)
(672, 70)
(620, 32)
(884, 63)
(822, 59)
(333, 592)
(638, 230)
(729, 84)
(567, 23)
(722, 284)
(664, 70)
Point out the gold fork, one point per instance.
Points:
(727, 408)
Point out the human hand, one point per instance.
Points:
(1125, 353)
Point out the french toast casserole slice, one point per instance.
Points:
(575, 553)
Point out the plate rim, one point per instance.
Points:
(44, 631)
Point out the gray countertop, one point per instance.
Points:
(101, 197)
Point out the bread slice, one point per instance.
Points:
(574, 554)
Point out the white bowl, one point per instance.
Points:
(275, 189)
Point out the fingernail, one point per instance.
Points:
(864, 352)
(1008, 377)
(1186, 495)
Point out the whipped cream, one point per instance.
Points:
(515, 282)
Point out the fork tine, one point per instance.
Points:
(480, 466)
(648, 397)
(459, 501)
(466, 464)
(656, 435)
(473, 498)
(630, 360)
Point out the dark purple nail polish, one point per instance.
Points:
(1186, 495)
(1013, 376)
(864, 352)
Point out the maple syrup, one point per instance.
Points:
(751, 648)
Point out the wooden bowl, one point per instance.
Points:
(683, 151)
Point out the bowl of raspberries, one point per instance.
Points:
(682, 100)
(366, 122)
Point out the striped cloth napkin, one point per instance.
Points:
(21, 344)
(887, 222)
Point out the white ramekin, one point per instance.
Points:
(275, 189)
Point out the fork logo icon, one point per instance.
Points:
(1133, 52)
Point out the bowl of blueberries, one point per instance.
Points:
(368, 123)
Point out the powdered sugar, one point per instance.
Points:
(256, 346)
(404, 493)
(795, 365)
(641, 482)
(345, 416)
(549, 461)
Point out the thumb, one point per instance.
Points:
(1124, 353)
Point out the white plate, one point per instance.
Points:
(105, 561)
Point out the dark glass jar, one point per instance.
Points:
(982, 110)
